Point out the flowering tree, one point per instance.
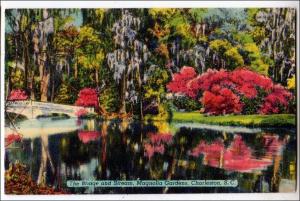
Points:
(17, 94)
(128, 58)
(87, 97)
(224, 92)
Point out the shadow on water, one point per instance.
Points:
(262, 160)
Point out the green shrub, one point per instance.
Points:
(186, 103)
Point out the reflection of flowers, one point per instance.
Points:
(158, 138)
(78, 122)
(237, 157)
(157, 143)
(151, 149)
(273, 145)
(81, 112)
(13, 137)
(87, 136)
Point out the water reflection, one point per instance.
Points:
(262, 161)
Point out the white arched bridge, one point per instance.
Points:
(33, 109)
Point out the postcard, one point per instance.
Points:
(149, 99)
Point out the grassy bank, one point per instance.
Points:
(275, 120)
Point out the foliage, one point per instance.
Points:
(291, 82)
(155, 102)
(109, 99)
(255, 59)
(186, 103)
(90, 55)
(19, 182)
(16, 75)
(162, 13)
(64, 95)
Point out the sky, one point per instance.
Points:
(77, 16)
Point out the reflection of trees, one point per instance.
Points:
(45, 156)
(74, 152)
(118, 157)
(274, 147)
(103, 167)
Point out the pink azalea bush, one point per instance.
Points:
(87, 97)
(17, 94)
(222, 91)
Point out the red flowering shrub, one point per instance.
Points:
(276, 101)
(88, 98)
(17, 94)
(179, 82)
(225, 92)
(224, 101)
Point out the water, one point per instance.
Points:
(262, 160)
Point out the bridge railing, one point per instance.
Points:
(54, 107)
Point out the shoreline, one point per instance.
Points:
(274, 120)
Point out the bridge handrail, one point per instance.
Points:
(31, 101)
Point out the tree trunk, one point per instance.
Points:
(31, 85)
(97, 77)
(75, 69)
(123, 95)
(25, 59)
(140, 92)
(52, 84)
(8, 87)
(45, 75)
(44, 87)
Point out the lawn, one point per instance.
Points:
(274, 120)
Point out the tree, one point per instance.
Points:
(274, 31)
(128, 59)
(90, 55)
(154, 93)
(41, 34)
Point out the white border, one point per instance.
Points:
(143, 4)
(146, 4)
